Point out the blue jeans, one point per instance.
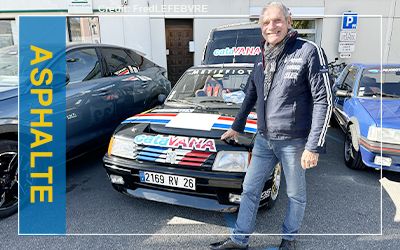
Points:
(266, 154)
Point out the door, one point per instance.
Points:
(347, 82)
(178, 33)
(89, 109)
(130, 91)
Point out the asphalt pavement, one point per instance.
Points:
(344, 211)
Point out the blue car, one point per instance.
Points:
(367, 108)
(104, 85)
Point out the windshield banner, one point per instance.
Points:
(237, 51)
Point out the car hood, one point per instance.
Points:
(185, 125)
(7, 92)
(390, 112)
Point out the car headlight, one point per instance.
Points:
(231, 161)
(388, 135)
(122, 147)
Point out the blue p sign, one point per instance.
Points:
(349, 21)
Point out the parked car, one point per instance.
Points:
(233, 43)
(105, 84)
(174, 154)
(367, 107)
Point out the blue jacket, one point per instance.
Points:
(299, 104)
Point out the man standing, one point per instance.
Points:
(290, 84)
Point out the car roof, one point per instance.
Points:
(72, 45)
(238, 26)
(224, 65)
(376, 65)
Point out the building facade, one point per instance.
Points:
(173, 33)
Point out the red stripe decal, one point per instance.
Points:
(232, 119)
(159, 114)
(196, 164)
(226, 118)
(199, 154)
(251, 122)
(190, 159)
(387, 149)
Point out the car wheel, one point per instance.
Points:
(352, 154)
(8, 178)
(270, 194)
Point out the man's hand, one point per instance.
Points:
(230, 133)
(309, 159)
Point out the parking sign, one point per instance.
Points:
(349, 21)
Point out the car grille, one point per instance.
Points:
(175, 156)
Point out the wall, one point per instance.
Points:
(147, 34)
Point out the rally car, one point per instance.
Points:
(174, 154)
(367, 107)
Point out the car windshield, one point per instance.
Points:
(9, 66)
(370, 83)
(233, 46)
(211, 86)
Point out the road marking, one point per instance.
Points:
(230, 220)
(182, 221)
(392, 188)
(334, 138)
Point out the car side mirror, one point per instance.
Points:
(67, 78)
(162, 97)
(342, 93)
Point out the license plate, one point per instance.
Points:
(168, 180)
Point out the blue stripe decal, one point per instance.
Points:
(129, 120)
(149, 154)
(251, 130)
(334, 138)
(218, 125)
(230, 220)
(226, 126)
(155, 149)
(152, 120)
(145, 158)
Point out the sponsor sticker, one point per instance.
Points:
(200, 144)
(374, 71)
(237, 51)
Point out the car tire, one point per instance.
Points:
(272, 190)
(352, 154)
(8, 178)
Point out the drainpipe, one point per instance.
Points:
(387, 43)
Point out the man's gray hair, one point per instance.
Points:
(275, 4)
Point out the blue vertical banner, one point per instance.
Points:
(41, 144)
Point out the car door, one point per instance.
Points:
(90, 108)
(130, 87)
(346, 82)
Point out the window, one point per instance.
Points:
(83, 29)
(305, 28)
(119, 62)
(349, 78)
(83, 65)
(8, 33)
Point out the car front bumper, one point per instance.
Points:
(211, 192)
(370, 150)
